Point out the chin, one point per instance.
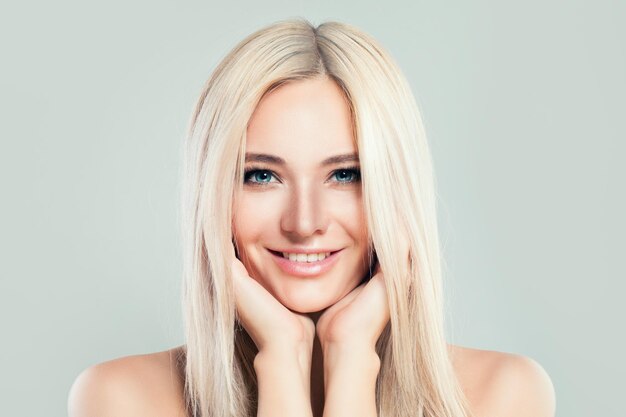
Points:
(308, 307)
(308, 304)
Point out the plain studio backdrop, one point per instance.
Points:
(524, 109)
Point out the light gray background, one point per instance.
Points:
(524, 107)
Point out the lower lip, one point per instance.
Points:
(306, 269)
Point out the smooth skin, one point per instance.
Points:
(347, 333)
(304, 203)
(316, 336)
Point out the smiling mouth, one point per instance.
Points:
(281, 254)
(312, 268)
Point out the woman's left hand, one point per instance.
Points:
(359, 318)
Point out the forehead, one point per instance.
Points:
(303, 122)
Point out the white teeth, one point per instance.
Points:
(303, 257)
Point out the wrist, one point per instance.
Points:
(298, 354)
(362, 350)
(358, 357)
(283, 378)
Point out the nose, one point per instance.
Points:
(304, 213)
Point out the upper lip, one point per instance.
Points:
(305, 250)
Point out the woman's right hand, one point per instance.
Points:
(271, 325)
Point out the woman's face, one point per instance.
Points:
(302, 194)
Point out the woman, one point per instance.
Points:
(312, 280)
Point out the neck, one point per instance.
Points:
(317, 372)
(317, 380)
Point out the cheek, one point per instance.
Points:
(356, 226)
(252, 217)
(352, 214)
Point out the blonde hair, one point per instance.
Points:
(416, 375)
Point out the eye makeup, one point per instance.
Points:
(251, 175)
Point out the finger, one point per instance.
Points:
(374, 297)
(249, 294)
(347, 299)
(240, 287)
(256, 309)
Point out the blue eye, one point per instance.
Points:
(347, 175)
(259, 176)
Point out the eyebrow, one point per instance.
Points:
(272, 159)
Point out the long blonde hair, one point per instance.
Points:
(416, 375)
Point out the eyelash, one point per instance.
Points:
(253, 170)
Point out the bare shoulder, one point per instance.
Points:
(503, 384)
(150, 384)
